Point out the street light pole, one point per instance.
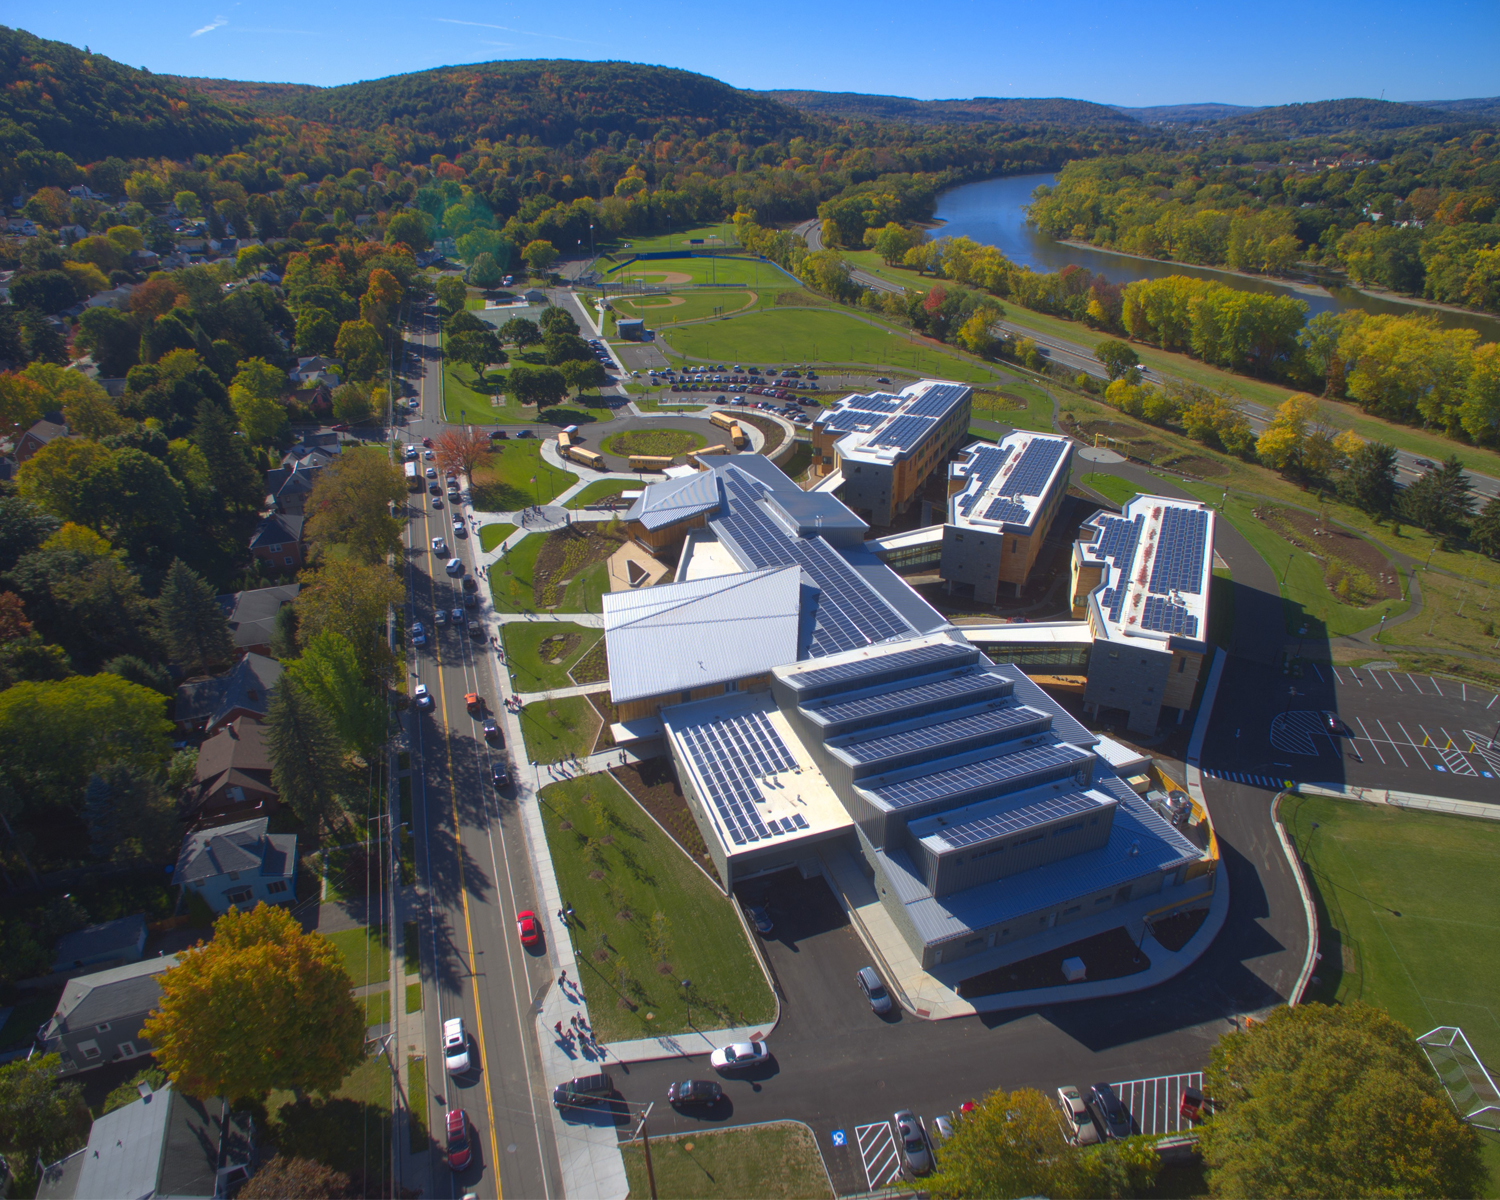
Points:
(687, 996)
(645, 1137)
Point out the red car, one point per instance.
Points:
(529, 927)
(459, 1154)
(427, 442)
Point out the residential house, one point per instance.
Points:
(277, 542)
(252, 615)
(143, 260)
(240, 864)
(117, 297)
(242, 691)
(232, 781)
(99, 1018)
(82, 191)
(114, 943)
(315, 369)
(534, 296)
(164, 1144)
(50, 426)
(192, 245)
(268, 276)
(21, 225)
(287, 488)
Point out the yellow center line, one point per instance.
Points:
(437, 656)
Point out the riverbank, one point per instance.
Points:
(1297, 285)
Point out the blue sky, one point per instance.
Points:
(1150, 52)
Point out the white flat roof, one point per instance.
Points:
(1007, 496)
(886, 426)
(707, 558)
(1030, 633)
(801, 792)
(1158, 559)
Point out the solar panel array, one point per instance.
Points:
(929, 657)
(983, 465)
(938, 400)
(1006, 509)
(728, 755)
(975, 686)
(1180, 547)
(846, 420)
(787, 824)
(849, 614)
(873, 404)
(1029, 478)
(1025, 768)
(1117, 543)
(1162, 616)
(1000, 723)
(1028, 816)
(904, 432)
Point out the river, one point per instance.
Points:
(994, 212)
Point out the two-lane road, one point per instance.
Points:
(473, 871)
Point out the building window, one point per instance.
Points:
(233, 875)
(102, 1028)
(275, 887)
(686, 696)
(732, 686)
(1181, 665)
(238, 896)
(128, 1050)
(1068, 912)
(276, 549)
(89, 1049)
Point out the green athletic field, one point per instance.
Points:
(1409, 908)
(804, 335)
(660, 311)
(667, 272)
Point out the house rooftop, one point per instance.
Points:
(121, 938)
(110, 995)
(245, 686)
(244, 847)
(252, 614)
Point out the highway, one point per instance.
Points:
(473, 871)
(1076, 358)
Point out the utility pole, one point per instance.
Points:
(645, 1137)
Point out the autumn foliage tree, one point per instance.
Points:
(350, 504)
(459, 450)
(1333, 1101)
(262, 1006)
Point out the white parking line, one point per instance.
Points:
(1155, 1105)
(1391, 742)
(1391, 675)
(1493, 698)
(1415, 684)
(1371, 740)
(1376, 677)
(878, 1153)
(1320, 673)
(1434, 683)
(1336, 674)
(1412, 742)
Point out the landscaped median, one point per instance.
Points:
(647, 919)
(540, 653)
(561, 571)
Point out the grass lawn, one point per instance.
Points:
(411, 949)
(349, 1130)
(493, 534)
(586, 590)
(416, 1094)
(678, 239)
(801, 459)
(749, 272)
(1461, 616)
(564, 728)
(502, 478)
(512, 592)
(366, 955)
(660, 311)
(530, 671)
(378, 1007)
(999, 404)
(601, 489)
(662, 442)
(817, 335)
(778, 1162)
(1111, 487)
(640, 872)
(413, 997)
(1408, 907)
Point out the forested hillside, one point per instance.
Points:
(1067, 114)
(1333, 117)
(88, 106)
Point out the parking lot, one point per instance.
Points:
(1394, 729)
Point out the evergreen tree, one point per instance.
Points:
(1440, 501)
(128, 817)
(1486, 529)
(232, 475)
(284, 634)
(1370, 481)
(193, 622)
(305, 754)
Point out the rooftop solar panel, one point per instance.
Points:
(1181, 545)
(1006, 772)
(873, 404)
(983, 465)
(1028, 816)
(904, 432)
(1000, 724)
(959, 690)
(938, 400)
(1031, 472)
(932, 657)
(1162, 616)
(729, 754)
(1006, 509)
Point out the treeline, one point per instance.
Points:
(1413, 213)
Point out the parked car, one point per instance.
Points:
(437, 502)
(739, 1056)
(418, 635)
(457, 614)
(1114, 1117)
(474, 704)
(1334, 725)
(455, 1046)
(760, 918)
(421, 697)
(439, 547)
(458, 1152)
(914, 1150)
(470, 599)
(582, 1090)
(942, 1128)
(692, 1093)
(1194, 1105)
(460, 530)
(470, 584)
(528, 928)
(874, 990)
(1078, 1122)
(476, 630)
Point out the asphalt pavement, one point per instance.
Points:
(473, 876)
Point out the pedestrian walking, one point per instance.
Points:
(562, 981)
(558, 1027)
(573, 1021)
(561, 918)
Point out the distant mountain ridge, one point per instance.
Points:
(978, 110)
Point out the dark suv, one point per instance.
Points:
(583, 1090)
(1114, 1117)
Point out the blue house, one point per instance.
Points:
(239, 865)
(115, 942)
